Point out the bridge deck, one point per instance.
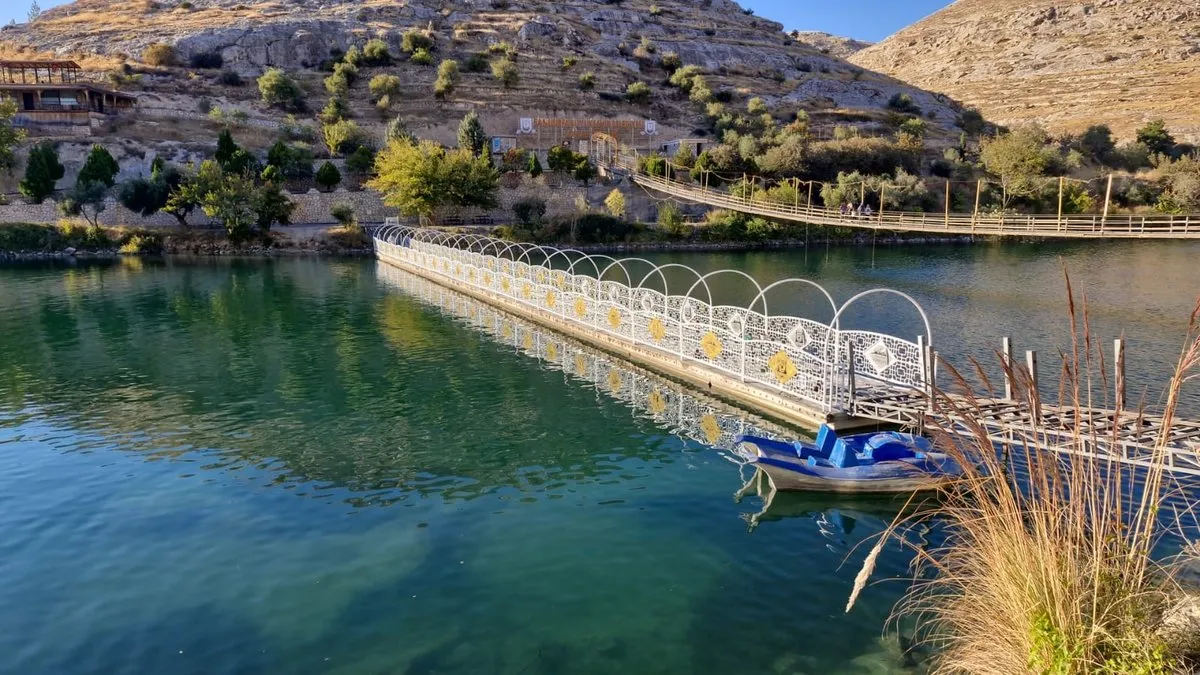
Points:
(1125, 226)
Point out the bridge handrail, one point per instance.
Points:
(608, 153)
(798, 357)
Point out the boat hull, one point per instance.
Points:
(900, 479)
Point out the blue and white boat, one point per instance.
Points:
(881, 462)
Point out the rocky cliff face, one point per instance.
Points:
(834, 45)
(741, 53)
(1064, 63)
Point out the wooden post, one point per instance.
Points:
(1119, 375)
(850, 372)
(1031, 363)
(745, 189)
(809, 203)
(1061, 180)
(1107, 197)
(862, 192)
(931, 371)
(796, 194)
(1007, 362)
(978, 190)
(882, 192)
(924, 371)
(947, 202)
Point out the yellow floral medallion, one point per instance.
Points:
(580, 365)
(614, 318)
(614, 381)
(506, 331)
(710, 428)
(711, 345)
(526, 290)
(560, 280)
(657, 330)
(527, 343)
(541, 277)
(580, 308)
(552, 352)
(504, 284)
(471, 274)
(781, 367)
(487, 278)
(657, 403)
(551, 299)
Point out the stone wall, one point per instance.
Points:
(313, 207)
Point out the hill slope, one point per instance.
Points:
(1064, 63)
(834, 45)
(742, 54)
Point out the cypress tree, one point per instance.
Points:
(472, 136)
(42, 171)
(99, 167)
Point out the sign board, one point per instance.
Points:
(651, 128)
(526, 126)
(502, 144)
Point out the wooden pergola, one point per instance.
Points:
(39, 72)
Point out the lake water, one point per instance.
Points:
(292, 466)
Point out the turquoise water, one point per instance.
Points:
(290, 466)
(287, 467)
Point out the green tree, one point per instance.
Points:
(1097, 143)
(280, 91)
(343, 213)
(42, 171)
(292, 161)
(1019, 159)
(902, 102)
(584, 170)
(971, 122)
(415, 39)
(229, 200)
(227, 149)
(397, 130)
(587, 81)
(534, 168)
(361, 161)
(99, 167)
(10, 136)
(670, 219)
(1182, 182)
(529, 211)
(471, 135)
(561, 158)
(270, 205)
(87, 200)
(328, 176)
(447, 76)
(421, 57)
(336, 109)
(420, 179)
(615, 203)
(1156, 138)
(375, 53)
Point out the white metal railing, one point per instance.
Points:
(819, 364)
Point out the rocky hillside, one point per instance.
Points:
(1064, 63)
(620, 41)
(834, 45)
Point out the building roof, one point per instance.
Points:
(58, 65)
(52, 86)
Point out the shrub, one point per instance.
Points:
(343, 213)
(229, 78)
(568, 62)
(529, 211)
(206, 60)
(422, 57)
(476, 63)
(328, 176)
(160, 54)
(670, 219)
(361, 162)
(415, 39)
(446, 79)
(142, 243)
(280, 91)
(671, 62)
(638, 92)
(505, 71)
(560, 158)
(903, 103)
(384, 85)
(655, 10)
(756, 106)
(503, 47)
(1156, 138)
(335, 109)
(587, 81)
(375, 53)
(342, 136)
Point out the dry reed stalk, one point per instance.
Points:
(1047, 562)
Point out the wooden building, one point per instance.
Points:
(52, 98)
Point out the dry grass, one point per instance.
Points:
(1047, 564)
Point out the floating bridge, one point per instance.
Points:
(617, 159)
(796, 370)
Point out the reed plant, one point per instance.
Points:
(1048, 560)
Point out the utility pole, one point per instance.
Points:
(1107, 197)
(947, 203)
(978, 190)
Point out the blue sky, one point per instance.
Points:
(870, 20)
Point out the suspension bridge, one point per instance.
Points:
(618, 159)
(797, 370)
